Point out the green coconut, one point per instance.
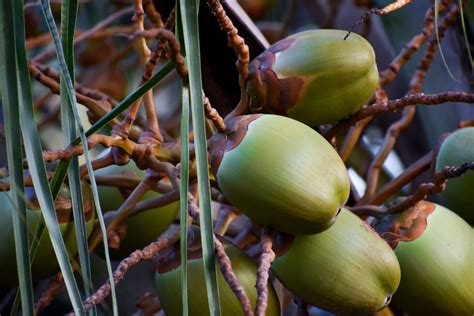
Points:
(280, 172)
(458, 148)
(168, 286)
(316, 77)
(347, 269)
(438, 267)
(44, 263)
(143, 228)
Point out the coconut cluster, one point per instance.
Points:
(277, 170)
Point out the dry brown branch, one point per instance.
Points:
(224, 263)
(99, 108)
(123, 128)
(396, 104)
(265, 261)
(352, 137)
(214, 116)
(367, 210)
(93, 140)
(170, 236)
(47, 54)
(153, 14)
(409, 112)
(412, 47)
(113, 31)
(226, 216)
(240, 48)
(414, 170)
(152, 132)
(387, 9)
(438, 185)
(88, 92)
(156, 54)
(48, 295)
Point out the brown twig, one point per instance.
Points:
(412, 47)
(48, 295)
(214, 116)
(367, 210)
(265, 261)
(224, 263)
(387, 9)
(117, 31)
(88, 92)
(226, 216)
(170, 236)
(123, 128)
(156, 54)
(153, 14)
(240, 48)
(152, 132)
(396, 104)
(438, 185)
(352, 137)
(99, 108)
(409, 112)
(47, 54)
(414, 170)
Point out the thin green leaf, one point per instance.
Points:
(189, 18)
(183, 195)
(34, 155)
(46, 8)
(40, 230)
(11, 112)
(439, 43)
(68, 24)
(184, 141)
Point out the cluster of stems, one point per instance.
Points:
(148, 148)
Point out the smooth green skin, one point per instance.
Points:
(45, 263)
(438, 268)
(285, 175)
(347, 269)
(142, 228)
(458, 148)
(168, 286)
(340, 75)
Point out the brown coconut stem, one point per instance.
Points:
(224, 263)
(388, 75)
(265, 261)
(414, 170)
(438, 185)
(396, 104)
(408, 114)
(170, 236)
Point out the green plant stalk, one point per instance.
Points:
(183, 195)
(68, 24)
(8, 75)
(184, 184)
(189, 18)
(46, 8)
(36, 163)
